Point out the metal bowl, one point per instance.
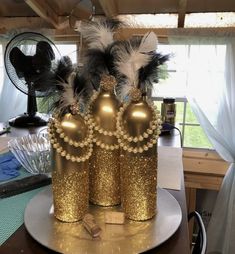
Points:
(33, 152)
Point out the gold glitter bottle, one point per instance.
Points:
(71, 148)
(104, 162)
(138, 126)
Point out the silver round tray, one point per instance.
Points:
(132, 237)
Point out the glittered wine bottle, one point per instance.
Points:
(104, 162)
(71, 141)
(138, 128)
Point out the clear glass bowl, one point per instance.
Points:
(33, 152)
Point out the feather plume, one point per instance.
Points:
(151, 72)
(99, 34)
(64, 68)
(99, 58)
(97, 63)
(148, 43)
(52, 80)
(131, 57)
(68, 96)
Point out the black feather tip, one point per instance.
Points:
(150, 73)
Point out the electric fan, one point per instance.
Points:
(30, 62)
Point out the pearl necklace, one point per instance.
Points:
(59, 149)
(100, 130)
(153, 125)
(68, 140)
(152, 132)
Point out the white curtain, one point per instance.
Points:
(211, 83)
(12, 101)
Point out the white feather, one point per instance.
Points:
(148, 43)
(129, 63)
(97, 34)
(68, 97)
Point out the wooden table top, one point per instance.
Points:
(21, 242)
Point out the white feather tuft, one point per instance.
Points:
(148, 43)
(97, 34)
(131, 60)
(68, 96)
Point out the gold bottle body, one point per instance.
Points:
(138, 170)
(70, 180)
(105, 163)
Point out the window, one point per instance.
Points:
(68, 49)
(1, 68)
(176, 85)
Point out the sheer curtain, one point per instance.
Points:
(12, 101)
(211, 85)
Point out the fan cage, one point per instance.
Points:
(26, 42)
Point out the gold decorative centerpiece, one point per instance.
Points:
(105, 127)
(138, 126)
(71, 136)
(104, 162)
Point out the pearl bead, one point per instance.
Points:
(145, 135)
(135, 139)
(141, 138)
(55, 145)
(145, 148)
(58, 150)
(149, 131)
(63, 153)
(141, 150)
(62, 135)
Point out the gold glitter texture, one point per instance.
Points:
(70, 180)
(104, 162)
(139, 186)
(71, 192)
(135, 94)
(104, 177)
(108, 82)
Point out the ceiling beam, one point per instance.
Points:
(127, 33)
(14, 23)
(109, 7)
(181, 12)
(44, 11)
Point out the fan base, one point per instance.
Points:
(26, 120)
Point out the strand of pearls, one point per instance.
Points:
(100, 130)
(59, 149)
(67, 155)
(124, 139)
(105, 146)
(68, 140)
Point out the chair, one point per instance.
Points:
(201, 240)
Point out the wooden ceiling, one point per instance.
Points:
(54, 14)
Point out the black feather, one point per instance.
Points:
(97, 63)
(150, 73)
(64, 69)
(112, 24)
